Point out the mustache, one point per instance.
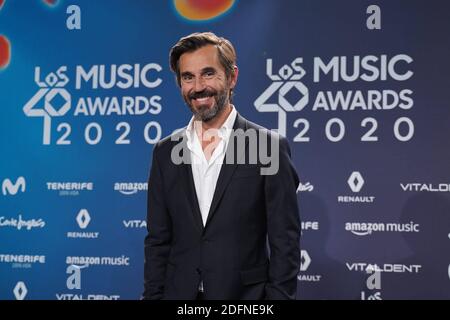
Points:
(202, 94)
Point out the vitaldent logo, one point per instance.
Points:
(70, 188)
(12, 188)
(129, 188)
(20, 290)
(305, 261)
(387, 267)
(53, 100)
(19, 223)
(362, 70)
(134, 223)
(287, 79)
(83, 219)
(425, 187)
(356, 183)
(368, 228)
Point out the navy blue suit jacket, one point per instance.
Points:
(249, 247)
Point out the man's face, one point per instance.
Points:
(204, 85)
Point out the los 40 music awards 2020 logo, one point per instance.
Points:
(96, 92)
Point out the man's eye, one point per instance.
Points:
(209, 74)
(186, 77)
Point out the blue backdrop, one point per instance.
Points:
(360, 88)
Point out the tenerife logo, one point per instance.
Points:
(56, 100)
(71, 103)
(305, 261)
(334, 87)
(286, 80)
(12, 188)
(22, 260)
(20, 290)
(356, 182)
(70, 188)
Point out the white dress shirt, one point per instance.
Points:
(206, 172)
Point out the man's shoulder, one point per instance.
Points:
(271, 134)
(166, 144)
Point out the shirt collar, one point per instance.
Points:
(224, 131)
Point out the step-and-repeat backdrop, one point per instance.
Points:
(360, 88)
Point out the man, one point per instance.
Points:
(220, 227)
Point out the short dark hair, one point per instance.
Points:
(194, 41)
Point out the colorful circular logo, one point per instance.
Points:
(5, 52)
(201, 10)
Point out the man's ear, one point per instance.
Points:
(234, 76)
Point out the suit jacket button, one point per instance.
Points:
(199, 271)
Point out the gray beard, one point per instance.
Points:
(205, 114)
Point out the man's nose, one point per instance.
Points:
(199, 84)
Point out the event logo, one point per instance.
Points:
(54, 101)
(286, 80)
(362, 71)
(21, 223)
(12, 188)
(20, 290)
(356, 182)
(129, 188)
(368, 228)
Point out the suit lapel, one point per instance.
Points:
(187, 179)
(227, 170)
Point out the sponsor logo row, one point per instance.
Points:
(12, 188)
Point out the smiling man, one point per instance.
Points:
(218, 226)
